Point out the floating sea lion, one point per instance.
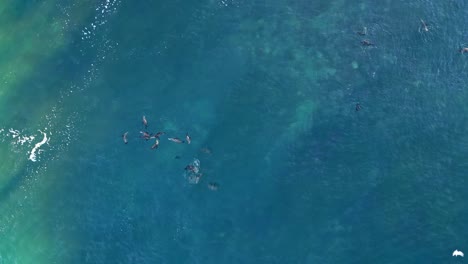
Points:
(363, 32)
(194, 178)
(358, 107)
(213, 186)
(424, 25)
(176, 140)
(367, 42)
(156, 144)
(190, 168)
(145, 122)
(124, 137)
(145, 135)
(157, 135)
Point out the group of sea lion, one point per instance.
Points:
(157, 136)
(368, 43)
(424, 27)
(147, 136)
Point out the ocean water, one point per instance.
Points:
(270, 89)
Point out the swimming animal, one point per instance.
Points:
(157, 135)
(367, 42)
(145, 122)
(155, 145)
(187, 137)
(145, 135)
(124, 137)
(190, 168)
(363, 32)
(424, 25)
(358, 107)
(176, 140)
(213, 186)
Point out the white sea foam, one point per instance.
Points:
(103, 11)
(25, 139)
(32, 155)
(193, 176)
(16, 134)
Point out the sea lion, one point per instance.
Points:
(363, 32)
(358, 107)
(145, 122)
(145, 135)
(176, 140)
(213, 186)
(367, 43)
(124, 137)
(157, 135)
(155, 145)
(424, 25)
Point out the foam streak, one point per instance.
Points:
(32, 156)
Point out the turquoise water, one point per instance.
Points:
(270, 88)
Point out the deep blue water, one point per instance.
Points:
(270, 89)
